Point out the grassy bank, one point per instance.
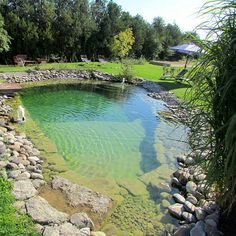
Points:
(146, 71)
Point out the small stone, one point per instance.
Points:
(189, 161)
(33, 159)
(25, 162)
(16, 146)
(182, 231)
(24, 175)
(181, 158)
(39, 228)
(189, 217)
(21, 166)
(176, 210)
(36, 176)
(197, 231)
(81, 220)
(3, 164)
(51, 231)
(165, 203)
(14, 174)
(38, 183)
(184, 177)
(175, 183)
(191, 187)
(200, 177)
(178, 198)
(210, 225)
(12, 166)
(200, 213)
(192, 199)
(189, 206)
(15, 160)
(2, 148)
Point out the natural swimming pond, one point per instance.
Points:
(111, 136)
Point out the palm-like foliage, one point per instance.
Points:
(214, 95)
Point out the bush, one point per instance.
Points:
(127, 69)
(11, 221)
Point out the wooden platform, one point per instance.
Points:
(8, 88)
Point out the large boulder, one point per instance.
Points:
(80, 196)
(23, 189)
(43, 213)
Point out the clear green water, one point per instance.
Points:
(110, 132)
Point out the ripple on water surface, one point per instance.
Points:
(109, 131)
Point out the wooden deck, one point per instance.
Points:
(7, 88)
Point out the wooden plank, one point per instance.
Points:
(7, 88)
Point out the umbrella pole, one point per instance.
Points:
(185, 66)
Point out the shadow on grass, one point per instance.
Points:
(170, 85)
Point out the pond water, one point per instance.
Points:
(111, 136)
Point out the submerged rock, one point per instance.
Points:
(81, 196)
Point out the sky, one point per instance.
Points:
(181, 12)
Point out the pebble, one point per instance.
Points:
(178, 198)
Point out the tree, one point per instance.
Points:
(122, 43)
(4, 37)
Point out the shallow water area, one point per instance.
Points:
(112, 140)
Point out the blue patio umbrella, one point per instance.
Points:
(188, 48)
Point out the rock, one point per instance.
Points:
(39, 228)
(69, 229)
(85, 232)
(51, 231)
(80, 196)
(210, 225)
(181, 158)
(191, 187)
(2, 148)
(189, 217)
(182, 231)
(214, 216)
(200, 213)
(189, 207)
(42, 212)
(20, 205)
(16, 146)
(192, 199)
(36, 176)
(198, 195)
(184, 177)
(189, 161)
(33, 159)
(16, 160)
(165, 203)
(97, 233)
(38, 183)
(12, 166)
(3, 164)
(21, 166)
(178, 198)
(200, 177)
(176, 174)
(24, 175)
(175, 183)
(197, 231)
(14, 174)
(215, 233)
(176, 210)
(23, 189)
(81, 220)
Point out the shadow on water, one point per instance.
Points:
(149, 160)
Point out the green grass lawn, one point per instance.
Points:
(146, 71)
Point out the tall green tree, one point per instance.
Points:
(4, 37)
